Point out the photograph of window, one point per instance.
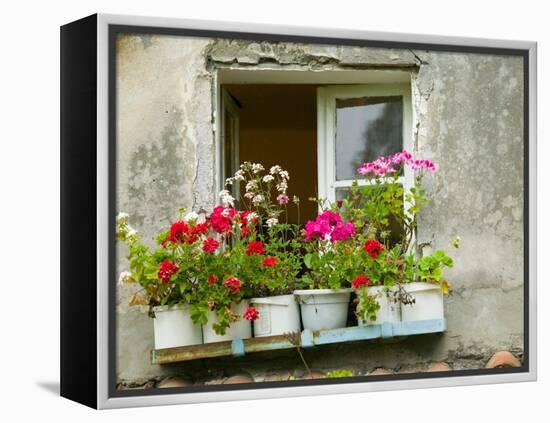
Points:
(293, 212)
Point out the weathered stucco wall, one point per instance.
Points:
(164, 147)
(468, 119)
(471, 123)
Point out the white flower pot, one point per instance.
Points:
(323, 308)
(173, 327)
(241, 329)
(278, 315)
(428, 302)
(390, 310)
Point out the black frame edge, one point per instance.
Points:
(78, 183)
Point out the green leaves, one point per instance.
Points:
(223, 321)
(367, 306)
(337, 373)
(442, 257)
(430, 268)
(307, 260)
(199, 313)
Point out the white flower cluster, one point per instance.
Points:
(284, 176)
(252, 216)
(251, 185)
(282, 186)
(124, 231)
(239, 176)
(255, 191)
(126, 278)
(275, 169)
(227, 198)
(191, 216)
(257, 167)
(272, 221)
(257, 199)
(122, 218)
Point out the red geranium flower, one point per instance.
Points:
(181, 232)
(212, 279)
(221, 219)
(255, 247)
(270, 261)
(359, 281)
(233, 284)
(251, 314)
(201, 228)
(178, 231)
(245, 231)
(373, 247)
(246, 222)
(166, 270)
(209, 245)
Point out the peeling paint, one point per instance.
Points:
(311, 56)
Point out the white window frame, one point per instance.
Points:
(326, 132)
(229, 105)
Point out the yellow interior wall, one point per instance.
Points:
(278, 125)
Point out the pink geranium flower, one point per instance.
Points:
(342, 231)
(318, 228)
(384, 166)
(329, 225)
(282, 199)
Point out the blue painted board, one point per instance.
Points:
(239, 347)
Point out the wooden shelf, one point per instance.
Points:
(239, 347)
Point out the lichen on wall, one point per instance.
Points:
(164, 146)
(471, 124)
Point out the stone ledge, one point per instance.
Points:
(500, 359)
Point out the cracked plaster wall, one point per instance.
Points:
(469, 120)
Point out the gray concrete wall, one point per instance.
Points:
(468, 119)
(165, 152)
(471, 123)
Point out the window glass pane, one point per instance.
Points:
(366, 128)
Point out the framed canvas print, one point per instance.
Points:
(256, 211)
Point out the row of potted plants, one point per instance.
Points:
(213, 273)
